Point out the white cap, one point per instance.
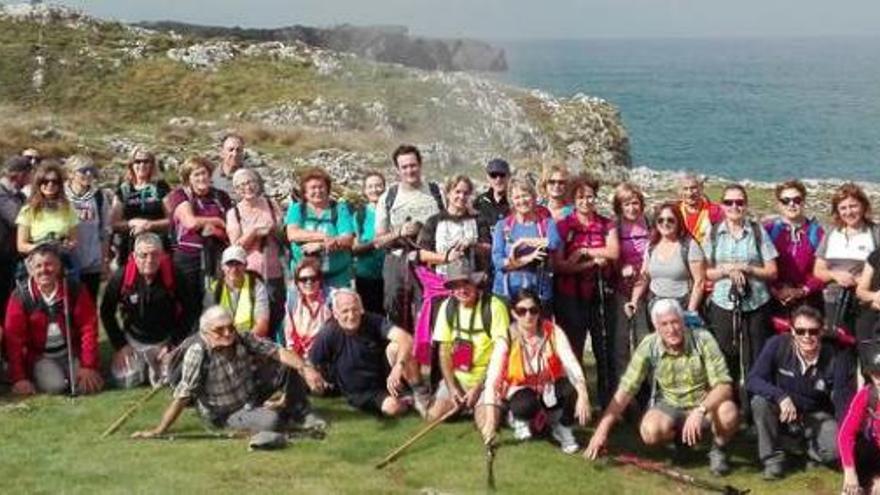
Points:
(234, 253)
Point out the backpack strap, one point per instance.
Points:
(776, 229)
(485, 303)
(437, 195)
(390, 197)
(813, 233)
(757, 231)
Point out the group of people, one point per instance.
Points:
(699, 317)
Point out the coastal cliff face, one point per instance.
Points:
(71, 83)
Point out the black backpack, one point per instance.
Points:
(485, 303)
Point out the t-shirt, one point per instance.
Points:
(48, 222)
(443, 231)
(369, 264)
(634, 239)
(482, 343)
(358, 361)
(213, 204)
(728, 249)
(337, 265)
(842, 252)
(671, 277)
(415, 205)
(263, 257)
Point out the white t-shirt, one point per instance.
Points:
(409, 205)
(843, 252)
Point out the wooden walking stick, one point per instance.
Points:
(130, 412)
(424, 431)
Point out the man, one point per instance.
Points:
(400, 214)
(243, 293)
(692, 389)
(230, 376)
(39, 344)
(468, 325)
(801, 387)
(16, 174)
(367, 358)
(492, 205)
(144, 292)
(231, 159)
(698, 212)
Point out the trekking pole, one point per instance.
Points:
(603, 329)
(130, 412)
(491, 449)
(419, 434)
(673, 474)
(68, 328)
(738, 334)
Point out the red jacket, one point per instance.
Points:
(25, 336)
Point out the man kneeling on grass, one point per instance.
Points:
(230, 376)
(367, 358)
(691, 389)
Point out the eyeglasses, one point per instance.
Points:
(734, 202)
(148, 254)
(522, 311)
(245, 183)
(224, 329)
(34, 159)
(811, 331)
(308, 279)
(556, 182)
(797, 200)
(666, 221)
(497, 175)
(142, 161)
(588, 199)
(56, 181)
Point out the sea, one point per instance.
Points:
(762, 109)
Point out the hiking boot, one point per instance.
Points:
(310, 421)
(521, 429)
(718, 464)
(773, 471)
(565, 437)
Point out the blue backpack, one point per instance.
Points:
(813, 226)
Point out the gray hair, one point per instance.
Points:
(148, 238)
(211, 316)
(243, 174)
(76, 162)
(344, 291)
(689, 175)
(663, 307)
(523, 184)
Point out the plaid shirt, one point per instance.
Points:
(229, 380)
(681, 380)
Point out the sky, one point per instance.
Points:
(523, 19)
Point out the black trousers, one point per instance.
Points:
(577, 316)
(525, 403)
(756, 330)
(372, 292)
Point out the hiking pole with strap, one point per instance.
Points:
(491, 449)
(419, 434)
(736, 296)
(130, 412)
(603, 332)
(841, 311)
(673, 474)
(65, 303)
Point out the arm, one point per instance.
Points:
(109, 305)
(448, 373)
(307, 371)
(717, 395)
(863, 288)
(850, 429)
(760, 379)
(15, 341)
(185, 216)
(23, 238)
(615, 410)
(261, 310)
(611, 250)
(766, 272)
(168, 418)
(698, 275)
(85, 319)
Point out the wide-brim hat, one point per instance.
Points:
(462, 272)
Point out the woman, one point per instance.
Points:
(674, 267)
(254, 224)
(306, 309)
(858, 440)
(322, 228)
(137, 205)
(198, 213)
(369, 256)
(539, 375)
(47, 216)
(841, 257)
(555, 188)
(521, 244)
(796, 238)
(741, 262)
(92, 253)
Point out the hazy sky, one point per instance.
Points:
(523, 18)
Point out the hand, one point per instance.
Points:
(410, 229)
(875, 300)
(601, 262)
(138, 225)
(582, 410)
(121, 357)
(629, 309)
(737, 278)
(89, 381)
(597, 444)
(787, 410)
(458, 395)
(844, 279)
(314, 379)
(146, 433)
(693, 428)
(23, 387)
(312, 248)
(850, 483)
(395, 379)
(628, 271)
(472, 396)
(538, 255)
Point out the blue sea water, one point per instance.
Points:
(743, 108)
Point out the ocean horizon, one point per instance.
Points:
(757, 108)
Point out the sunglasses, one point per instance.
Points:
(497, 175)
(666, 221)
(88, 171)
(531, 310)
(308, 279)
(223, 329)
(557, 182)
(811, 331)
(142, 161)
(56, 182)
(797, 200)
(734, 202)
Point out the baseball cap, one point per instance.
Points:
(234, 253)
(498, 166)
(19, 164)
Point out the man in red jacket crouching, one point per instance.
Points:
(37, 337)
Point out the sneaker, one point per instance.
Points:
(521, 430)
(773, 471)
(565, 437)
(718, 464)
(311, 421)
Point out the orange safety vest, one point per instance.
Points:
(519, 373)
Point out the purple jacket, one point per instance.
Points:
(797, 253)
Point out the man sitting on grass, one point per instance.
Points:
(691, 389)
(367, 358)
(230, 376)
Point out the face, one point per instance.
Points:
(690, 191)
(142, 166)
(850, 211)
(527, 312)
(460, 196)
(807, 334)
(667, 223)
(232, 153)
(875, 378)
(409, 169)
(315, 192)
(348, 312)
(247, 187)
(50, 185)
(200, 180)
(791, 204)
(522, 200)
(308, 281)
(21, 179)
(220, 334)
(734, 204)
(465, 292)
(632, 208)
(33, 155)
(671, 329)
(147, 257)
(498, 181)
(556, 185)
(44, 268)
(585, 201)
(233, 273)
(85, 176)
(374, 186)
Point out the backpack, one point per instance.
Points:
(175, 359)
(334, 213)
(813, 226)
(485, 303)
(757, 233)
(391, 196)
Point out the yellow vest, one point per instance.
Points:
(243, 312)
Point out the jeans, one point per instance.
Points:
(819, 429)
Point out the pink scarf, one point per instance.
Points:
(432, 286)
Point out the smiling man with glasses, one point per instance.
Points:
(801, 388)
(492, 204)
